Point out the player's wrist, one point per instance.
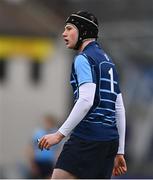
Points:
(59, 136)
(120, 155)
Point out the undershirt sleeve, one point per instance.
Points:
(121, 122)
(80, 109)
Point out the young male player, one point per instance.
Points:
(97, 121)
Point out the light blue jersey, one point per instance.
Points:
(83, 70)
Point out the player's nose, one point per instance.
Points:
(64, 34)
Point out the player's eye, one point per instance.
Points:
(68, 28)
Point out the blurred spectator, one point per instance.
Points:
(42, 162)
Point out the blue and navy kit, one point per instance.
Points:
(93, 65)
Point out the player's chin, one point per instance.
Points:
(70, 46)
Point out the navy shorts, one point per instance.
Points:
(88, 159)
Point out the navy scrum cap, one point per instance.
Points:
(86, 24)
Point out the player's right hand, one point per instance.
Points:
(49, 140)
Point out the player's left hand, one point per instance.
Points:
(120, 166)
(49, 140)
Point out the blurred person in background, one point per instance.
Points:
(42, 162)
(95, 148)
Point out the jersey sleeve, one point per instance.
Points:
(117, 87)
(83, 70)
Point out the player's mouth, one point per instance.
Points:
(66, 41)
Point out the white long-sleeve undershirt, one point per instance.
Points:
(121, 122)
(83, 105)
(80, 109)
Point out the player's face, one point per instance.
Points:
(70, 36)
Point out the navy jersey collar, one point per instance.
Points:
(91, 44)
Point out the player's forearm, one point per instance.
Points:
(121, 123)
(80, 109)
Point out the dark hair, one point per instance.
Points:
(87, 25)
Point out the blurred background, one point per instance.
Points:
(35, 68)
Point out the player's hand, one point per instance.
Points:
(49, 140)
(120, 166)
